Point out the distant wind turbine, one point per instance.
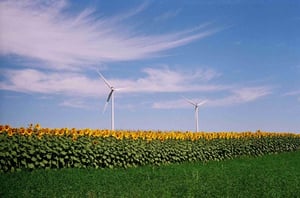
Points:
(196, 105)
(110, 97)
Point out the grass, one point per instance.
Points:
(266, 176)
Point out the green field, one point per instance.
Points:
(276, 175)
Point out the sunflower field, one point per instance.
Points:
(44, 148)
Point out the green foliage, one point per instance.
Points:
(19, 152)
(274, 175)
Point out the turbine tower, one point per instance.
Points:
(196, 105)
(110, 98)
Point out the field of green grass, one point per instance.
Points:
(276, 175)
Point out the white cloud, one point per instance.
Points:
(167, 15)
(34, 81)
(166, 80)
(78, 84)
(292, 93)
(74, 103)
(174, 104)
(155, 80)
(45, 32)
(242, 95)
(236, 96)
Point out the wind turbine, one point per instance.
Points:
(196, 105)
(110, 97)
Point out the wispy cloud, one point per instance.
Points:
(154, 80)
(174, 104)
(34, 81)
(167, 15)
(172, 81)
(292, 93)
(75, 103)
(78, 84)
(242, 95)
(47, 33)
(235, 96)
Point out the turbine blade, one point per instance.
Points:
(120, 88)
(109, 96)
(105, 106)
(201, 103)
(189, 101)
(105, 81)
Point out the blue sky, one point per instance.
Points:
(242, 57)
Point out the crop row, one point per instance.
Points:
(139, 134)
(21, 151)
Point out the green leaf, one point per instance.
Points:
(31, 152)
(14, 153)
(26, 155)
(38, 157)
(2, 161)
(48, 156)
(31, 166)
(77, 165)
(53, 162)
(62, 161)
(23, 162)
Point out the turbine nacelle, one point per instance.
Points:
(195, 104)
(112, 88)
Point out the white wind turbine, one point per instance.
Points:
(196, 105)
(110, 97)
